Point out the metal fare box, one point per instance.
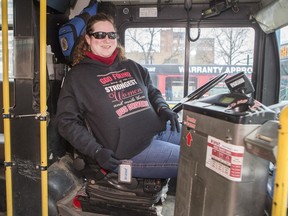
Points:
(216, 175)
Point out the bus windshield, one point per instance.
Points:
(162, 52)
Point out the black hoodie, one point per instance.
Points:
(117, 102)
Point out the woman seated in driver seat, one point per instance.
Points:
(126, 114)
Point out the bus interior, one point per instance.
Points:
(222, 65)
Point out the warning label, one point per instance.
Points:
(224, 158)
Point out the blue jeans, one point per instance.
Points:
(160, 158)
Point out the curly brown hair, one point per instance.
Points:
(82, 46)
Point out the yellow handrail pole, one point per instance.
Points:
(279, 207)
(6, 106)
(43, 112)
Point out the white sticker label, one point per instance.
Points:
(148, 12)
(224, 158)
(125, 173)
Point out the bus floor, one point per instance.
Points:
(65, 206)
(167, 208)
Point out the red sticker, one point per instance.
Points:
(189, 139)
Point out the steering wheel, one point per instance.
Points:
(199, 92)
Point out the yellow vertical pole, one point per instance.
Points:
(279, 207)
(43, 107)
(6, 107)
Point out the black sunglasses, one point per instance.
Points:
(102, 35)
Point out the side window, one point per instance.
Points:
(10, 39)
(283, 49)
(162, 51)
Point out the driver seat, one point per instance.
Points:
(104, 194)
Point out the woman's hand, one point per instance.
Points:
(166, 114)
(106, 159)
